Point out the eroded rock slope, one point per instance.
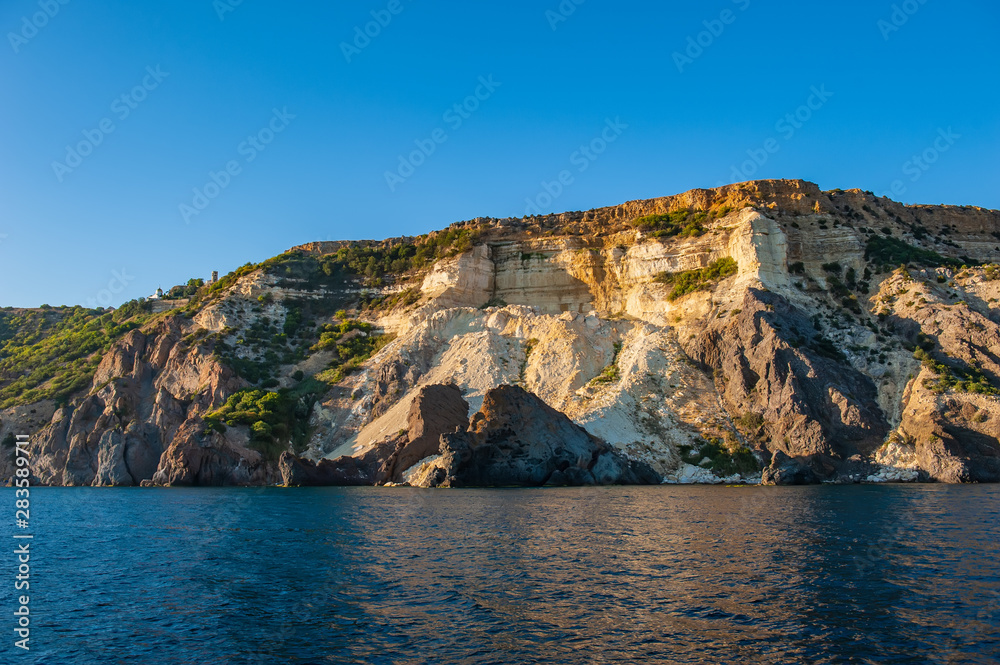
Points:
(765, 331)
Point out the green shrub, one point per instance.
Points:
(373, 260)
(495, 301)
(529, 346)
(963, 379)
(404, 299)
(689, 281)
(277, 420)
(750, 422)
(352, 348)
(331, 335)
(889, 251)
(722, 460)
(826, 348)
(611, 373)
(186, 291)
(682, 223)
(52, 353)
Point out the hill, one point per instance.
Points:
(763, 331)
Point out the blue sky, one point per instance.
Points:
(626, 100)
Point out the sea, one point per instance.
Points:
(666, 574)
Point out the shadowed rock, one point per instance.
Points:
(816, 408)
(517, 439)
(436, 410)
(298, 472)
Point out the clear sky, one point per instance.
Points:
(114, 113)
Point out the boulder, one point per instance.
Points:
(298, 472)
(436, 410)
(196, 458)
(785, 470)
(518, 440)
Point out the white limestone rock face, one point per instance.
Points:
(653, 403)
(571, 299)
(759, 246)
(551, 275)
(466, 280)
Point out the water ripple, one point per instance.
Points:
(901, 574)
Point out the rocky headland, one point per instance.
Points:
(759, 332)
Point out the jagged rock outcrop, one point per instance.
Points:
(298, 472)
(517, 439)
(951, 438)
(435, 411)
(147, 397)
(950, 435)
(197, 458)
(768, 363)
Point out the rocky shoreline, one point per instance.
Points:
(765, 332)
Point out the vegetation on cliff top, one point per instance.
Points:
(689, 281)
(680, 223)
(369, 260)
(51, 353)
(378, 260)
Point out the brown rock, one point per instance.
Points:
(517, 439)
(298, 472)
(436, 410)
(813, 406)
(203, 460)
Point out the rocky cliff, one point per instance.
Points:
(760, 332)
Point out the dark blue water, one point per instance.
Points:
(864, 574)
